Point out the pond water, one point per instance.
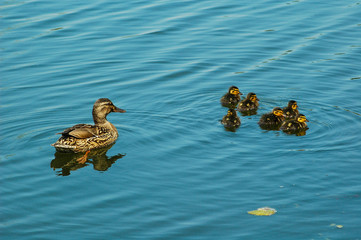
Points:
(175, 172)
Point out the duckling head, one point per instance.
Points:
(252, 96)
(277, 111)
(301, 118)
(231, 112)
(102, 107)
(292, 104)
(234, 90)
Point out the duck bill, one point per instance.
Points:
(116, 109)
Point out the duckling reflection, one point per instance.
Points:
(231, 121)
(67, 162)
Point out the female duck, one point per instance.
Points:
(291, 111)
(272, 120)
(84, 137)
(232, 98)
(295, 125)
(231, 120)
(250, 103)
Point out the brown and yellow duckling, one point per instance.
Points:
(231, 98)
(231, 120)
(249, 104)
(295, 125)
(272, 120)
(85, 137)
(291, 111)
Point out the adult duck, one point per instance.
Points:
(85, 137)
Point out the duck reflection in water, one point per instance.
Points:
(64, 163)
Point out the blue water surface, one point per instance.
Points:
(175, 172)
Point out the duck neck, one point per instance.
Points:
(100, 120)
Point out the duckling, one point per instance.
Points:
(85, 137)
(231, 120)
(272, 120)
(231, 98)
(291, 110)
(295, 125)
(250, 103)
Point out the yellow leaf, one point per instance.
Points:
(264, 211)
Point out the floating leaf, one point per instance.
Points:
(264, 211)
(336, 225)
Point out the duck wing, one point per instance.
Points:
(80, 131)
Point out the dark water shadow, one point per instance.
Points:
(297, 133)
(230, 129)
(248, 113)
(271, 127)
(64, 163)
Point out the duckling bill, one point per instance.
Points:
(272, 120)
(85, 137)
(231, 98)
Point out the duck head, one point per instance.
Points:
(231, 112)
(102, 107)
(301, 118)
(252, 96)
(292, 104)
(277, 111)
(234, 90)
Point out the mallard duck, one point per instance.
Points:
(231, 98)
(291, 110)
(250, 103)
(272, 120)
(85, 137)
(295, 125)
(231, 120)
